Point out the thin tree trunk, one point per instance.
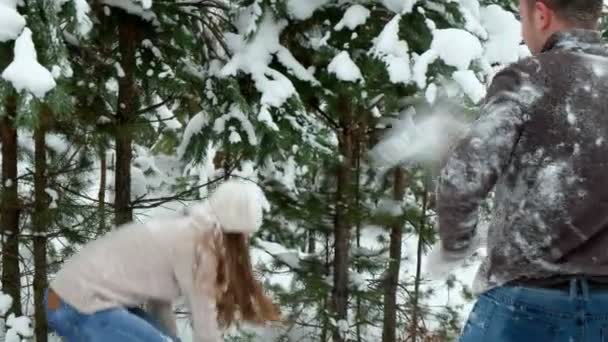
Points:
(392, 278)
(9, 208)
(129, 36)
(102, 192)
(40, 223)
(343, 220)
(415, 308)
(358, 230)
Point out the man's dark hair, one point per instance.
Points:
(584, 13)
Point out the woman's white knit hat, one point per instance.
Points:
(237, 206)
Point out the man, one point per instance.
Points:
(542, 142)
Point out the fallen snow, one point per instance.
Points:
(393, 52)
(25, 73)
(354, 16)
(11, 22)
(470, 84)
(344, 68)
(456, 47)
(303, 9)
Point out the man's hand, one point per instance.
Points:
(440, 262)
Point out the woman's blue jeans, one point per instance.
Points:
(117, 325)
(576, 313)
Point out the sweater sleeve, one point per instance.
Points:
(480, 158)
(200, 293)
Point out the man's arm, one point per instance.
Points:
(479, 159)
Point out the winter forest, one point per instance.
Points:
(120, 110)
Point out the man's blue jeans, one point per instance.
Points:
(578, 313)
(119, 325)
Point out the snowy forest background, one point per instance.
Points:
(120, 110)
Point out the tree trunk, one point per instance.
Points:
(342, 223)
(40, 224)
(129, 37)
(102, 192)
(392, 278)
(9, 208)
(415, 308)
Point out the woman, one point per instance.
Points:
(202, 256)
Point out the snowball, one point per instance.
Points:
(457, 48)
(303, 9)
(25, 73)
(354, 16)
(344, 68)
(470, 84)
(426, 140)
(11, 23)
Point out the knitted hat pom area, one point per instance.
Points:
(237, 205)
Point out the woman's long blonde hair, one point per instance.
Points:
(239, 295)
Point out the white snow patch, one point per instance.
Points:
(303, 9)
(82, 17)
(254, 56)
(289, 257)
(6, 302)
(25, 73)
(470, 84)
(550, 178)
(599, 141)
(19, 327)
(400, 6)
(471, 12)
(431, 93)
(11, 22)
(354, 16)
(421, 67)
(504, 35)
(194, 126)
(344, 68)
(235, 113)
(288, 60)
(456, 47)
(393, 52)
(132, 7)
(120, 72)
